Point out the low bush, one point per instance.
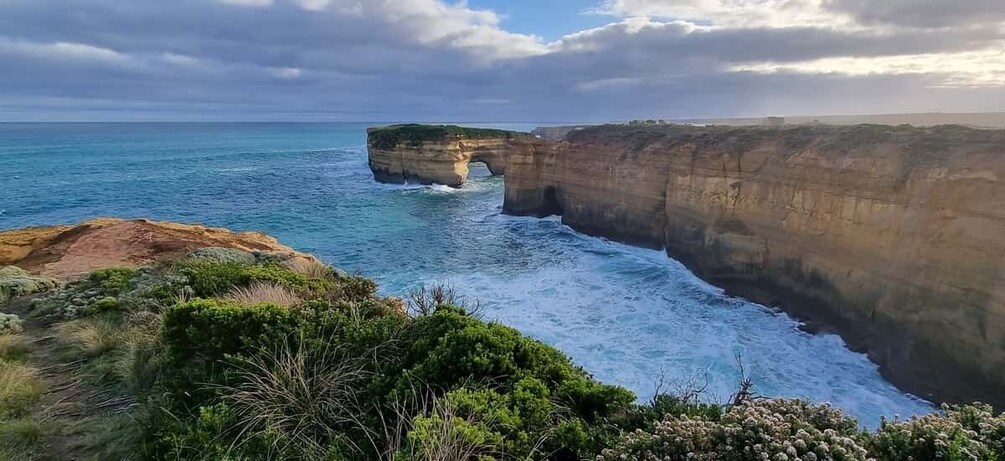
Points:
(114, 280)
(223, 255)
(209, 330)
(212, 278)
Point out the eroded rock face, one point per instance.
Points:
(892, 236)
(69, 252)
(436, 157)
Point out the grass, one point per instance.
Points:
(264, 292)
(20, 438)
(310, 267)
(302, 396)
(114, 436)
(14, 348)
(20, 389)
(91, 337)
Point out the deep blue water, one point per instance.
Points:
(623, 313)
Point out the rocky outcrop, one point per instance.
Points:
(893, 237)
(427, 154)
(68, 252)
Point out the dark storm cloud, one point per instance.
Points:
(425, 60)
(922, 13)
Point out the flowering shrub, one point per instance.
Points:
(965, 433)
(10, 324)
(796, 430)
(757, 430)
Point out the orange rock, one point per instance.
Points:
(69, 252)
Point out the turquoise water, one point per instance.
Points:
(625, 314)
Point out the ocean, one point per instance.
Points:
(627, 315)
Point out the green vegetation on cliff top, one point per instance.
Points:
(414, 135)
(233, 356)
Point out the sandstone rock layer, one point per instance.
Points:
(893, 237)
(435, 155)
(68, 252)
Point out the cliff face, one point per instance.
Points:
(891, 236)
(432, 154)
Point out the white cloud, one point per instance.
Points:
(974, 69)
(732, 13)
(249, 3)
(434, 23)
(62, 50)
(286, 73)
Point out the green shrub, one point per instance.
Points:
(453, 347)
(217, 278)
(212, 329)
(114, 280)
(207, 438)
(103, 305)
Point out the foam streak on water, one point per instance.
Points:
(623, 313)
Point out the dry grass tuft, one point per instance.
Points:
(91, 337)
(20, 389)
(137, 365)
(310, 267)
(261, 292)
(13, 347)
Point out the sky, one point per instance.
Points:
(546, 61)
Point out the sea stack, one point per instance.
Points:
(435, 154)
(888, 235)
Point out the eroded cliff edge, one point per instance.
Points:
(435, 154)
(893, 237)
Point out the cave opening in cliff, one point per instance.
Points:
(549, 202)
(478, 169)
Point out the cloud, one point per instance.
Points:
(429, 60)
(732, 13)
(922, 13)
(985, 68)
(61, 51)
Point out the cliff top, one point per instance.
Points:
(415, 134)
(68, 252)
(923, 144)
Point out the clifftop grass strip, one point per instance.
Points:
(414, 135)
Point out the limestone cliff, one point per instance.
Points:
(429, 154)
(893, 237)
